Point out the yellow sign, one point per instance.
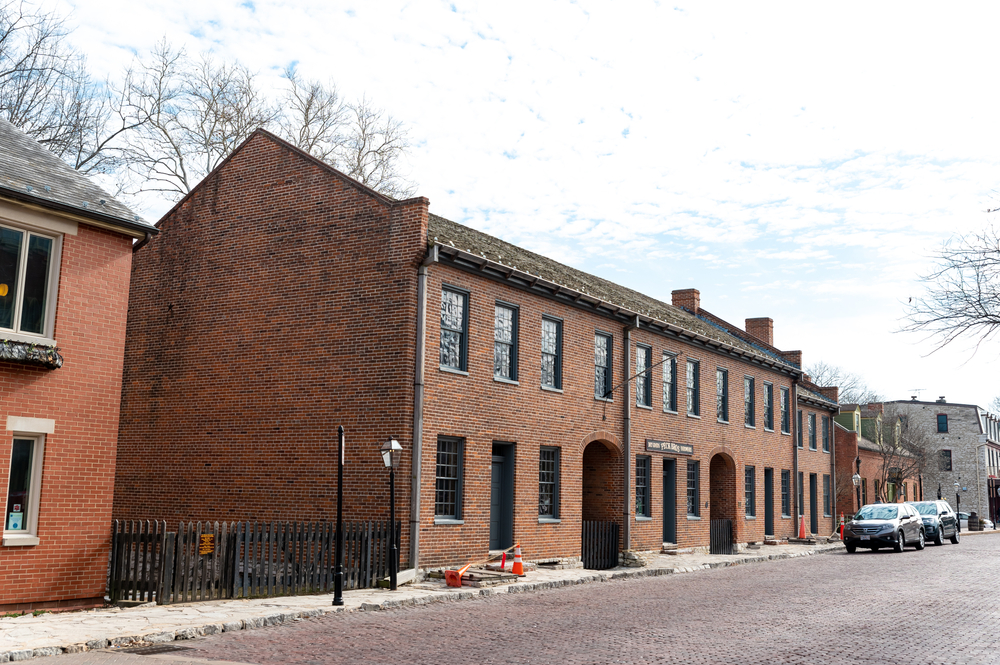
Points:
(3, 290)
(207, 544)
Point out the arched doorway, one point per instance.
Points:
(601, 506)
(722, 502)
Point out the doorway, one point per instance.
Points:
(722, 502)
(769, 502)
(502, 497)
(813, 515)
(669, 500)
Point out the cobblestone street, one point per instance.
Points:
(936, 606)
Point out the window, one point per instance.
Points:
(26, 264)
(548, 482)
(722, 395)
(786, 425)
(693, 499)
(812, 431)
(23, 485)
(643, 375)
(945, 460)
(826, 495)
(552, 353)
(505, 342)
(669, 382)
(454, 329)
(748, 401)
(602, 366)
(802, 503)
(786, 493)
(693, 389)
(642, 507)
(942, 422)
(448, 481)
(826, 434)
(768, 406)
(749, 491)
(798, 433)
(864, 491)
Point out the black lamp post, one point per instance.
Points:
(338, 576)
(391, 452)
(856, 479)
(958, 507)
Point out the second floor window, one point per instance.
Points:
(454, 329)
(505, 342)
(812, 431)
(722, 395)
(693, 388)
(644, 375)
(786, 425)
(551, 353)
(826, 434)
(602, 366)
(798, 427)
(942, 422)
(945, 460)
(768, 406)
(669, 382)
(748, 401)
(25, 265)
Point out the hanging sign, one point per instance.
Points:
(668, 447)
(207, 544)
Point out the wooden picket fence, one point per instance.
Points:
(209, 561)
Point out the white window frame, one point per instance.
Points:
(35, 429)
(52, 288)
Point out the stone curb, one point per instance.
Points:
(279, 618)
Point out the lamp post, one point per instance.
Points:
(391, 452)
(856, 479)
(338, 576)
(958, 507)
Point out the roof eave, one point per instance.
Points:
(136, 230)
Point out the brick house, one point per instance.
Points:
(65, 258)
(283, 299)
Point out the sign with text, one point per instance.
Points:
(207, 544)
(668, 447)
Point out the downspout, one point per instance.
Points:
(627, 453)
(418, 406)
(833, 470)
(139, 245)
(794, 417)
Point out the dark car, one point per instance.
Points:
(940, 521)
(894, 525)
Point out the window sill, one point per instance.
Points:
(670, 411)
(550, 389)
(694, 518)
(643, 518)
(603, 399)
(749, 426)
(721, 421)
(768, 429)
(39, 351)
(447, 520)
(812, 450)
(549, 520)
(643, 406)
(786, 434)
(694, 415)
(827, 452)
(511, 382)
(750, 518)
(19, 540)
(452, 370)
(786, 517)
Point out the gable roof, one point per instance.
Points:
(31, 174)
(446, 233)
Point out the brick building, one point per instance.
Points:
(283, 299)
(65, 258)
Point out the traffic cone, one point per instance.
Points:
(802, 527)
(841, 526)
(518, 568)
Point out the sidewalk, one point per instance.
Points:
(28, 636)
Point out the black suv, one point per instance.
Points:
(940, 521)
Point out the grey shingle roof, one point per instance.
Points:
(445, 232)
(30, 172)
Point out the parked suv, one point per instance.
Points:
(940, 521)
(894, 525)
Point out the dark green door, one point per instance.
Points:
(670, 501)
(769, 502)
(813, 514)
(502, 497)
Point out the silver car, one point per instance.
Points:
(877, 525)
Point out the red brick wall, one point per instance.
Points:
(278, 302)
(69, 565)
(819, 463)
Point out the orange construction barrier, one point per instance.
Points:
(802, 528)
(518, 568)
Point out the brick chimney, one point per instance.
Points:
(761, 328)
(876, 407)
(831, 392)
(794, 357)
(689, 299)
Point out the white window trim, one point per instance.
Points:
(40, 427)
(52, 296)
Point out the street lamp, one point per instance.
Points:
(391, 453)
(856, 479)
(958, 507)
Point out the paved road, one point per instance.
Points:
(941, 605)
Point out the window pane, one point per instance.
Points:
(36, 279)
(641, 380)
(768, 406)
(722, 395)
(602, 367)
(10, 257)
(748, 406)
(451, 349)
(548, 469)
(550, 353)
(692, 488)
(446, 489)
(503, 345)
(452, 328)
(452, 310)
(642, 507)
(18, 485)
(669, 389)
(693, 399)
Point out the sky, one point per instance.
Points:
(801, 161)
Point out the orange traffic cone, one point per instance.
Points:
(802, 527)
(518, 567)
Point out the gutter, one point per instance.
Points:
(418, 406)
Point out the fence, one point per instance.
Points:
(720, 537)
(599, 546)
(241, 559)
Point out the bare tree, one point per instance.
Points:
(963, 292)
(314, 118)
(374, 144)
(852, 387)
(903, 448)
